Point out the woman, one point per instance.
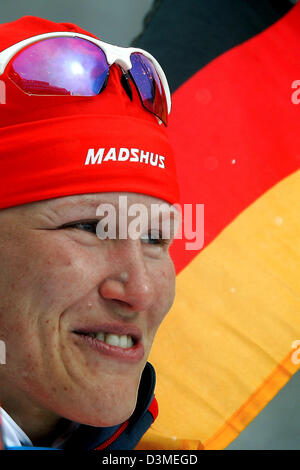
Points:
(81, 133)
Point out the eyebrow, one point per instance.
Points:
(93, 201)
(71, 203)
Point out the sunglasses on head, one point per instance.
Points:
(74, 64)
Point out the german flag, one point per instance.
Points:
(231, 341)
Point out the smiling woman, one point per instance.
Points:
(89, 308)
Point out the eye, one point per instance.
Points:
(86, 226)
(154, 238)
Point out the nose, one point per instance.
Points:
(129, 282)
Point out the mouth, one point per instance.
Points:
(119, 342)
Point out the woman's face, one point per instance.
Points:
(60, 286)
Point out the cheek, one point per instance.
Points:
(43, 275)
(67, 271)
(164, 280)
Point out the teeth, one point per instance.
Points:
(123, 341)
(100, 336)
(114, 340)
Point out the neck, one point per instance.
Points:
(40, 425)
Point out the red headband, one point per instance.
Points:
(60, 146)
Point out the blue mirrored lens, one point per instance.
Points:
(149, 85)
(60, 66)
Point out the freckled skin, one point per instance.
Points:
(52, 281)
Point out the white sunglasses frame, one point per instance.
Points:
(114, 54)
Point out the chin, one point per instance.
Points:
(104, 418)
(110, 411)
